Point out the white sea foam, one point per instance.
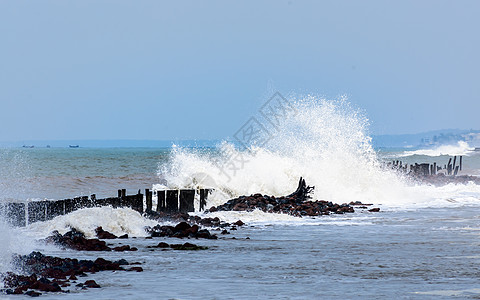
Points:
(461, 148)
(324, 141)
(118, 221)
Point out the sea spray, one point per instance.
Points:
(460, 148)
(324, 141)
(118, 221)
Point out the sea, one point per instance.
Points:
(423, 244)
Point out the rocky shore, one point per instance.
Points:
(42, 273)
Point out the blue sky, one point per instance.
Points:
(199, 69)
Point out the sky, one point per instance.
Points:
(164, 70)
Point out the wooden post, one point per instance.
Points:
(454, 162)
(36, 211)
(124, 193)
(449, 166)
(461, 159)
(203, 198)
(434, 168)
(148, 199)
(119, 193)
(15, 213)
(69, 205)
(186, 201)
(172, 201)
(55, 209)
(139, 202)
(161, 201)
(456, 171)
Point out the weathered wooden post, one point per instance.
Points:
(187, 198)
(461, 158)
(172, 201)
(14, 213)
(454, 162)
(37, 211)
(456, 171)
(161, 201)
(138, 206)
(148, 199)
(124, 193)
(69, 205)
(434, 168)
(54, 209)
(449, 167)
(119, 193)
(203, 198)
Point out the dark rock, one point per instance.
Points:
(375, 209)
(187, 246)
(77, 241)
(239, 223)
(136, 269)
(91, 284)
(104, 235)
(33, 294)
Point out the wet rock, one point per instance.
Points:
(187, 246)
(91, 284)
(181, 230)
(76, 240)
(124, 248)
(62, 270)
(375, 209)
(33, 294)
(239, 223)
(135, 269)
(104, 235)
(295, 204)
(125, 236)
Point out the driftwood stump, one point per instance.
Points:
(302, 192)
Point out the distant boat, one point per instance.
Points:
(73, 146)
(477, 149)
(25, 146)
(48, 146)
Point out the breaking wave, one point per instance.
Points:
(461, 148)
(324, 141)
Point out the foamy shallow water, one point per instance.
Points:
(423, 253)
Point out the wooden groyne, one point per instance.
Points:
(426, 169)
(169, 201)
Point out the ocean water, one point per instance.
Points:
(422, 244)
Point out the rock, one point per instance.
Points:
(162, 245)
(239, 223)
(91, 284)
(375, 209)
(102, 234)
(125, 236)
(181, 230)
(33, 294)
(124, 248)
(136, 269)
(77, 241)
(187, 246)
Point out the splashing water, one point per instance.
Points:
(324, 141)
(461, 148)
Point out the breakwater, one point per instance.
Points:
(169, 201)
